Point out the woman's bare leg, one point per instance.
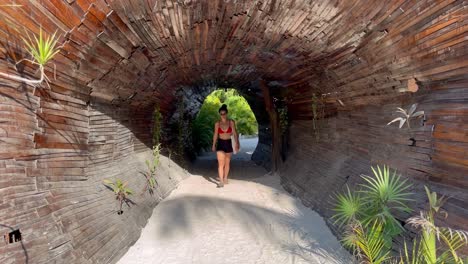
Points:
(221, 164)
(227, 164)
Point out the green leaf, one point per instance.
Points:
(42, 48)
(384, 194)
(371, 244)
(347, 207)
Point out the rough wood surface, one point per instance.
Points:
(351, 142)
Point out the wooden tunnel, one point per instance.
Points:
(340, 67)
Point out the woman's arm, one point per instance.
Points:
(236, 135)
(215, 137)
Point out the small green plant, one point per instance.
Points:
(157, 125)
(385, 193)
(283, 118)
(120, 190)
(369, 212)
(426, 250)
(367, 243)
(407, 116)
(348, 207)
(42, 50)
(152, 165)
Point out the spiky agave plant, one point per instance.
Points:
(427, 250)
(42, 49)
(407, 116)
(121, 191)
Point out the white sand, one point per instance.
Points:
(251, 220)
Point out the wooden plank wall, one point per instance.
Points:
(352, 141)
(120, 57)
(52, 168)
(136, 53)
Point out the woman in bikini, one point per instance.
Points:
(223, 130)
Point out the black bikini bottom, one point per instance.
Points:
(224, 145)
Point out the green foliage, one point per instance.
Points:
(379, 197)
(426, 250)
(42, 48)
(371, 226)
(367, 243)
(385, 193)
(283, 117)
(369, 212)
(120, 190)
(239, 110)
(152, 165)
(157, 125)
(348, 207)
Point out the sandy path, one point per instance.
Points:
(251, 220)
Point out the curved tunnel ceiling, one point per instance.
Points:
(59, 144)
(139, 52)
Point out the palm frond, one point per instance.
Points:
(387, 189)
(415, 257)
(347, 207)
(371, 243)
(452, 238)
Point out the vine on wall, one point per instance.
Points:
(281, 108)
(180, 129)
(283, 119)
(157, 125)
(318, 110)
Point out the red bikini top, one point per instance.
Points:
(229, 130)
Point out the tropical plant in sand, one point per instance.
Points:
(407, 116)
(152, 165)
(426, 249)
(42, 49)
(368, 244)
(368, 214)
(120, 190)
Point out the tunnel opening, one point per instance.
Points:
(238, 110)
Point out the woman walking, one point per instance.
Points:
(222, 144)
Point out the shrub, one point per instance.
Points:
(120, 190)
(426, 250)
(152, 165)
(368, 214)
